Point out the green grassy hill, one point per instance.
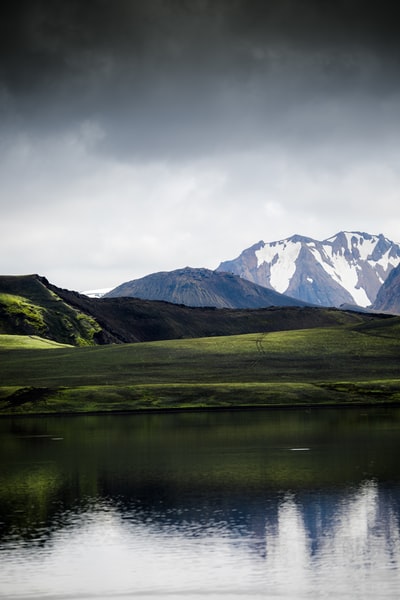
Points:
(341, 364)
(57, 355)
(29, 307)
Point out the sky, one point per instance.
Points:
(143, 136)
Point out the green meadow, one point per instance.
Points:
(356, 364)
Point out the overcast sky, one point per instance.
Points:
(147, 135)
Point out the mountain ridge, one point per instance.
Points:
(66, 316)
(202, 287)
(346, 268)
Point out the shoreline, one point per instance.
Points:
(198, 409)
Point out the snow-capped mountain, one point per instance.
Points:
(348, 268)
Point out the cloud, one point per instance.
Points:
(141, 136)
(192, 78)
(85, 220)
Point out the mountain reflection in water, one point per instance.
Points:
(201, 505)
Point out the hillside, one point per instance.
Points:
(341, 364)
(202, 287)
(283, 355)
(30, 305)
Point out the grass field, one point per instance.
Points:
(358, 364)
(29, 342)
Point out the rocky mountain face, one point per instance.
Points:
(348, 268)
(388, 298)
(203, 287)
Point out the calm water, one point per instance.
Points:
(288, 505)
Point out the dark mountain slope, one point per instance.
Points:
(120, 320)
(135, 320)
(202, 287)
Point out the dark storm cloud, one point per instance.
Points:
(175, 77)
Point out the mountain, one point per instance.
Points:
(202, 287)
(96, 293)
(388, 298)
(348, 268)
(30, 305)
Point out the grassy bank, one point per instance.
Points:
(357, 364)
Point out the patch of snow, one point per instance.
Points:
(96, 293)
(282, 259)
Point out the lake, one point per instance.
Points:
(291, 504)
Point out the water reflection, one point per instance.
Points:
(218, 505)
(355, 553)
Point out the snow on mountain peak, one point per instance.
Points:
(282, 257)
(348, 267)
